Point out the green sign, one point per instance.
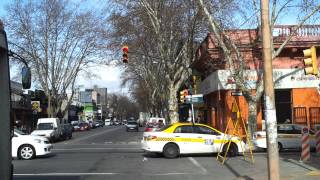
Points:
(194, 99)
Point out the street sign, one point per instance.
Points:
(194, 99)
(235, 113)
(236, 93)
(36, 106)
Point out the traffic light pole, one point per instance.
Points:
(269, 103)
(5, 128)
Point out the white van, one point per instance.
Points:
(49, 128)
(107, 122)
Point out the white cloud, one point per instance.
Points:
(105, 77)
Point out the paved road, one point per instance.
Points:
(113, 153)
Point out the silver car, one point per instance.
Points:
(289, 137)
(132, 125)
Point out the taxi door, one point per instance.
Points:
(208, 137)
(187, 140)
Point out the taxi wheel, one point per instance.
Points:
(170, 151)
(233, 150)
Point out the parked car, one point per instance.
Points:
(29, 146)
(100, 122)
(75, 126)
(132, 125)
(84, 126)
(49, 128)
(188, 138)
(289, 137)
(66, 131)
(107, 122)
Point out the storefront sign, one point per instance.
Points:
(283, 79)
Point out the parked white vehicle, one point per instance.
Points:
(29, 146)
(289, 137)
(49, 128)
(107, 122)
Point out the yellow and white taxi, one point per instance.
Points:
(188, 138)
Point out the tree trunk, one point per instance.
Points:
(252, 119)
(49, 110)
(173, 105)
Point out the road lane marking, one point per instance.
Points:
(64, 174)
(72, 149)
(195, 162)
(95, 174)
(144, 159)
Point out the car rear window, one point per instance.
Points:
(132, 123)
(164, 128)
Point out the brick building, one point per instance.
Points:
(297, 96)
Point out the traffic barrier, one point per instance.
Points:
(318, 142)
(305, 152)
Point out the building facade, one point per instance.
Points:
(297, 96)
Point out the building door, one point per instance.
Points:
(314, 113)
(283, 103)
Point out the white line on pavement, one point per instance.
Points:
(195, 162)
(93, 174)
(72, 149)
(63, 174)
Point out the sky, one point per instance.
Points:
(106, 76)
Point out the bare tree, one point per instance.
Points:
(59, 39)
(164, 34)
(234, 57)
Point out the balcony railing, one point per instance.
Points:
(303, 31)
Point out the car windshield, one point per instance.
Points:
(45, 126)
(19, 132)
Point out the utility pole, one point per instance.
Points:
(269, 105)
(5, 135)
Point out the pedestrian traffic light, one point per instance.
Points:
(125, 51)
(183, 95)
(310, 61)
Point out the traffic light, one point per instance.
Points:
(183, 95)
(310, 61)
(125, 51)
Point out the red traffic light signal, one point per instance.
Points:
(125, 51)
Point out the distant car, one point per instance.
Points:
(132, 125)
(100, 123)
(107, 122)
(289, 137)
(66, 131)
(27, 147)
(155, 124)
(188, 138)
(75, 126)
(116, 123)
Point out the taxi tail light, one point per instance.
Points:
(151, 137)
(148, 130)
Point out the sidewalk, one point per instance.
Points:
(291, 168)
